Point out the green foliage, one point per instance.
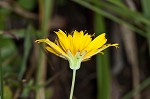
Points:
(27, 47)
(27, 88)
(102, 62)
(7, 48)
(27, 4)
(1, 78)
(4, 13)
(99, 7)
(145, 84)
(7, 93)
(49, 93)
(146, 13)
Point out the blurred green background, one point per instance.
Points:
(27, 71)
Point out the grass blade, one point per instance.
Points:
(45, 8)
(110, 16)
(1, 78)
(27, 47)
(103, 78)
(146, 7)
(102, 63)
(142, 86)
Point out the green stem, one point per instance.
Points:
(73, 83)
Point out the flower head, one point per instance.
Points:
(77, 47)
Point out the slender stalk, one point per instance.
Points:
(1, 79)
(146, 13)
(73, 83)
(102, 62)
(45, 8)
(27, 47)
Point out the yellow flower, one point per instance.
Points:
(77, 47)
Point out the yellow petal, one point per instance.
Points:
(77, 39)
(89, 54)
(54, 52)
(97, 42)
(87, 59)
(71, 45)
(86, 40)
(63, 40)
(56, 48)
(96, 51)
(108, 45)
